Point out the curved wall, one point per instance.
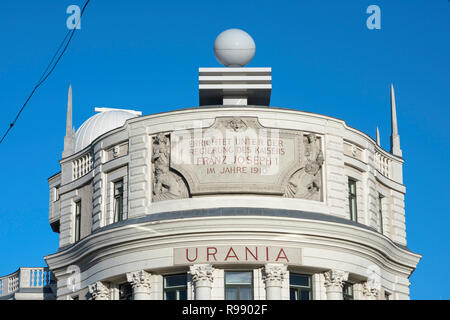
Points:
(174, 200)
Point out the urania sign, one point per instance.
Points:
(236, 254)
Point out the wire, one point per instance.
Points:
(48, 72)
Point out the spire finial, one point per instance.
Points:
(70, 132)
(395, 137)
(378, 137)
(69, 113)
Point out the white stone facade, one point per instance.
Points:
(331, 249)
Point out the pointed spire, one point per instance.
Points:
(395, 137)
(378, 137)
(69, 113)
(70, 131)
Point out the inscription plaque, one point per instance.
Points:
(237, 155)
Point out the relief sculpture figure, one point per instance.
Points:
(306, 182)
(167, 185)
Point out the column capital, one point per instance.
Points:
(201, 272)
(371, 289)
(139, 279)
(274, 272)
(99, 291)
(335, 278)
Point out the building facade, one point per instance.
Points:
(234, 199)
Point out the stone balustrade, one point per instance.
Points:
(25, 278)
(383, 164)
(82, 166)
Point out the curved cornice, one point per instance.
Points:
(300, 227)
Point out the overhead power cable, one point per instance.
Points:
(48, 71)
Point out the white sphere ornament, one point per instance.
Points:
(234, 48)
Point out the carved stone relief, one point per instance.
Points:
(236, 125)
(237, 155)
(167, 184)
(306, 183)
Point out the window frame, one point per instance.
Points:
(117, 197)
(239, 286)
(301, 288)
(77, 226)
(353, 199)
(175, 288)
(348, 296)
(380, 213)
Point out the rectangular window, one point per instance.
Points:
(347, 291)
(352, 199)
(125, 291)
(239, 285)
(387, 296)
(300, 287)
(175, 287)
(55, 193)
(118, 201)
(380, 213)
(77, 220)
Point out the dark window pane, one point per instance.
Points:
(238, 277)
(299, 280)
(77, 220)
(245, 294)
(175, 280)
(125, 291)
(171, 295)
(118, 201)
(293, 294)
(231, 293)
(183, 294)
(305, 295)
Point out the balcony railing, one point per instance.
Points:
(25, 278)
(383, 164)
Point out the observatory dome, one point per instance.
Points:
(102, 122)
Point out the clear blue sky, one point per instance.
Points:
(145, 55)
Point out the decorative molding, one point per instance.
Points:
(274, 272)
(236, 124)
(202, 272)
(170, 223)
(139, 279)
(99, 291)
(116, 151)
(335, 278)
